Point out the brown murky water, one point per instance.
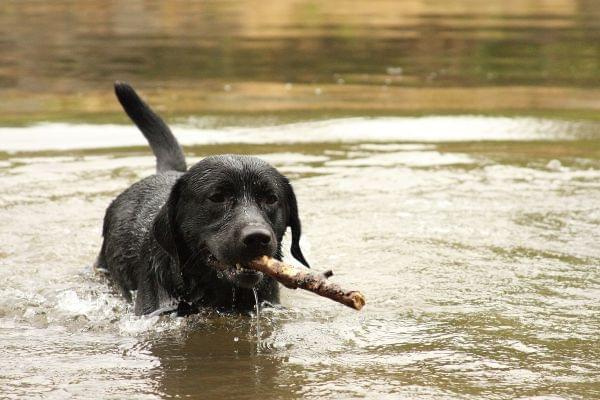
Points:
(475, 239)
(479, 259)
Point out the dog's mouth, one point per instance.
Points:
(239, 273)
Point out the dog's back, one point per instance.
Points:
(126, 224)
(128, 217)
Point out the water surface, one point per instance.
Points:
(475, 239)
(475, 242)
(291, 59)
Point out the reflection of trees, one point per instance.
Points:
(71, 46)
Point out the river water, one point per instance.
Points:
(474, 240)
(446, 159)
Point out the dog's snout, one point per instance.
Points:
(256, 237)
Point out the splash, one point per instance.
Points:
(257, 313)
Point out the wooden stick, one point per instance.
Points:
(294, 278)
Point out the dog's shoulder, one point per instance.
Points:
(146, 195)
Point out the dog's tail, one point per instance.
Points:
(169, 156)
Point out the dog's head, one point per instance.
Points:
(228, 210)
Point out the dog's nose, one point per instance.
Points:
(256, 237)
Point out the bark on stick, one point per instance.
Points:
(294, 278)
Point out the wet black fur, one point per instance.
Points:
(159, 233)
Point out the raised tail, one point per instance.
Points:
(169, 156)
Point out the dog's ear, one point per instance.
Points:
(164, 228)
(294, 223)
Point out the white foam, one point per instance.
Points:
(70, 302)
(62, 136)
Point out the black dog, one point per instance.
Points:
(181, 238)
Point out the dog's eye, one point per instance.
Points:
(217, 197)
(271, 199)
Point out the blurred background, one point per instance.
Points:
(300, 59)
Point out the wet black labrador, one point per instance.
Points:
(180, 238)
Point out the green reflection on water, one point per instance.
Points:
(235, 58)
